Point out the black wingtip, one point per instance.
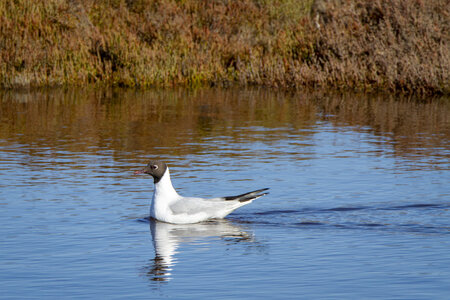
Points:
(252, 197)
(257, 191)
(247, 196)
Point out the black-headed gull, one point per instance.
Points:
(168, 206)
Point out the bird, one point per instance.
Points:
(170, 207)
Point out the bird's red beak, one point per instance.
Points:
(139, 172)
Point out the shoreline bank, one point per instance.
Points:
(384, 45)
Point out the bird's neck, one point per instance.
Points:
(164, 188)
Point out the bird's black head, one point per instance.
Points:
(155, 168)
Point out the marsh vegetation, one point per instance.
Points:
(390, 45)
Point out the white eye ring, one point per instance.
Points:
(155, 167)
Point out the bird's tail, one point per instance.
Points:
(247, 196)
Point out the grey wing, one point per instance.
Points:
(192, 206)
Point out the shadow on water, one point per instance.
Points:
(355, 208)
(344, 218)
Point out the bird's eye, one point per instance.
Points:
(154, 167)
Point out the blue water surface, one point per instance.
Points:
(358, 208)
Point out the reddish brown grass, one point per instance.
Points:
(393, 45)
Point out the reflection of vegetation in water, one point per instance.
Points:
(185, 122)
(413, 127)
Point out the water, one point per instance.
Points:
(358, 207)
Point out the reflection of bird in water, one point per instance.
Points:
(168, 237)
(168, 206)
